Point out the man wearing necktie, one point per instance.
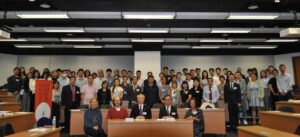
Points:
(140, 110)
(167, 110)
(135, 89)
(211, 93)
(70, 99)
(232, 97)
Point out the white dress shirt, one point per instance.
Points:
(284, 83)
(98, 82)
(214, 91)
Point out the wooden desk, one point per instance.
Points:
(7, 98)
(3, 92)
(295, 105)
(212, 119)
(287, 122)
(10, 106)
(150, 128)
(49, 133)
(20, 121)
(260, 131)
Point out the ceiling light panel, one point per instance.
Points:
(148, 30)
(112, 39)
(147, 40)
(182, 40)
(201, 15)
(105, 30)
(148, 15)
(94, 15)
(64, 29)
(231, 30)
(190, 30)
(252, 16)
(42, 15)
(77, 39)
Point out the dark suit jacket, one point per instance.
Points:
(135, 92)
(67, 99)
(146, 111)
(163, 112)
(232, 95)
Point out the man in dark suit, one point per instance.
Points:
(140, 110)
(70, 99)
(135, 90)
(167, 110)
(232, 94)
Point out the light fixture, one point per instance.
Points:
(148, 15)
(176, 46)
(77, 39)
(205, 47)
(216, 40)
(13, 40)
(29, 46)
(231, 30)
(42, 15)
(282, 40)
(63, 30)
(87, 46)
(252, 16)
(262, 47)
(45, 6)
(147, 40)
(252, 7)
(147, 30)
(118, 46)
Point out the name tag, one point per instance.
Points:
(144, 113)
(235, 88)
(17, 80)
(173, 113)
(197, 91)
(118, 109)
(186, 92)
(77, 92)
(163, 90)
(195, 112)
(125, 92)
(137, 90)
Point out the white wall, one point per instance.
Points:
(92, 63)
(206, 62)
(7, 63)
(286, 59)
(147, 61)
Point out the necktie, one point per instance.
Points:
(141, 111)
(168, 110)
(230, 84)
(210, 94)
(73, 92)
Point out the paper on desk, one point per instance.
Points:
(38, 130)
(296, 114)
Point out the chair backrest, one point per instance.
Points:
(44, 122)
(286, 109)
(297, 132)
(7, 129)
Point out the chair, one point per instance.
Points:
(286, 109)
(44, 122)
(297, 132)
(7, 129)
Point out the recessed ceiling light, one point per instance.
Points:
(231, 30)
(148, 30)
(147, 40)
(77, 39)
(12, 40)
(262, 47)
(45, 6)
(282, 40)
(205, 47)
(42, 15)
(253, 7)
(29, 46)
(63, 30)
(252, 16)
(148, 15)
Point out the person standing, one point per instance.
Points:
(232, 94)
(70, 99)
(211, 93)
(244, 101)
(255, 94)
(284, 84)
(197, 92)
(274, 89)
(89, 91)
(264, 80)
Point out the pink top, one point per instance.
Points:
(89, 93)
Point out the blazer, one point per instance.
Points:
(67, 99)
(163, 112)
(232, 95)
(135, 92)
(135, 111)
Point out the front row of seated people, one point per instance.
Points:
(93, 116)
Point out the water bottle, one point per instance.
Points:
(54, 122)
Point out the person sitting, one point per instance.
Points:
(140, 110)
(196, 115)
(167, 110)
(93, 120)
(117, 112)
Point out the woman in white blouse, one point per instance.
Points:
(264, 81)
(116, 89)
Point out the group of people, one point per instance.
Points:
(192, 88)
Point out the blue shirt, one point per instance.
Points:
(92, 117)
